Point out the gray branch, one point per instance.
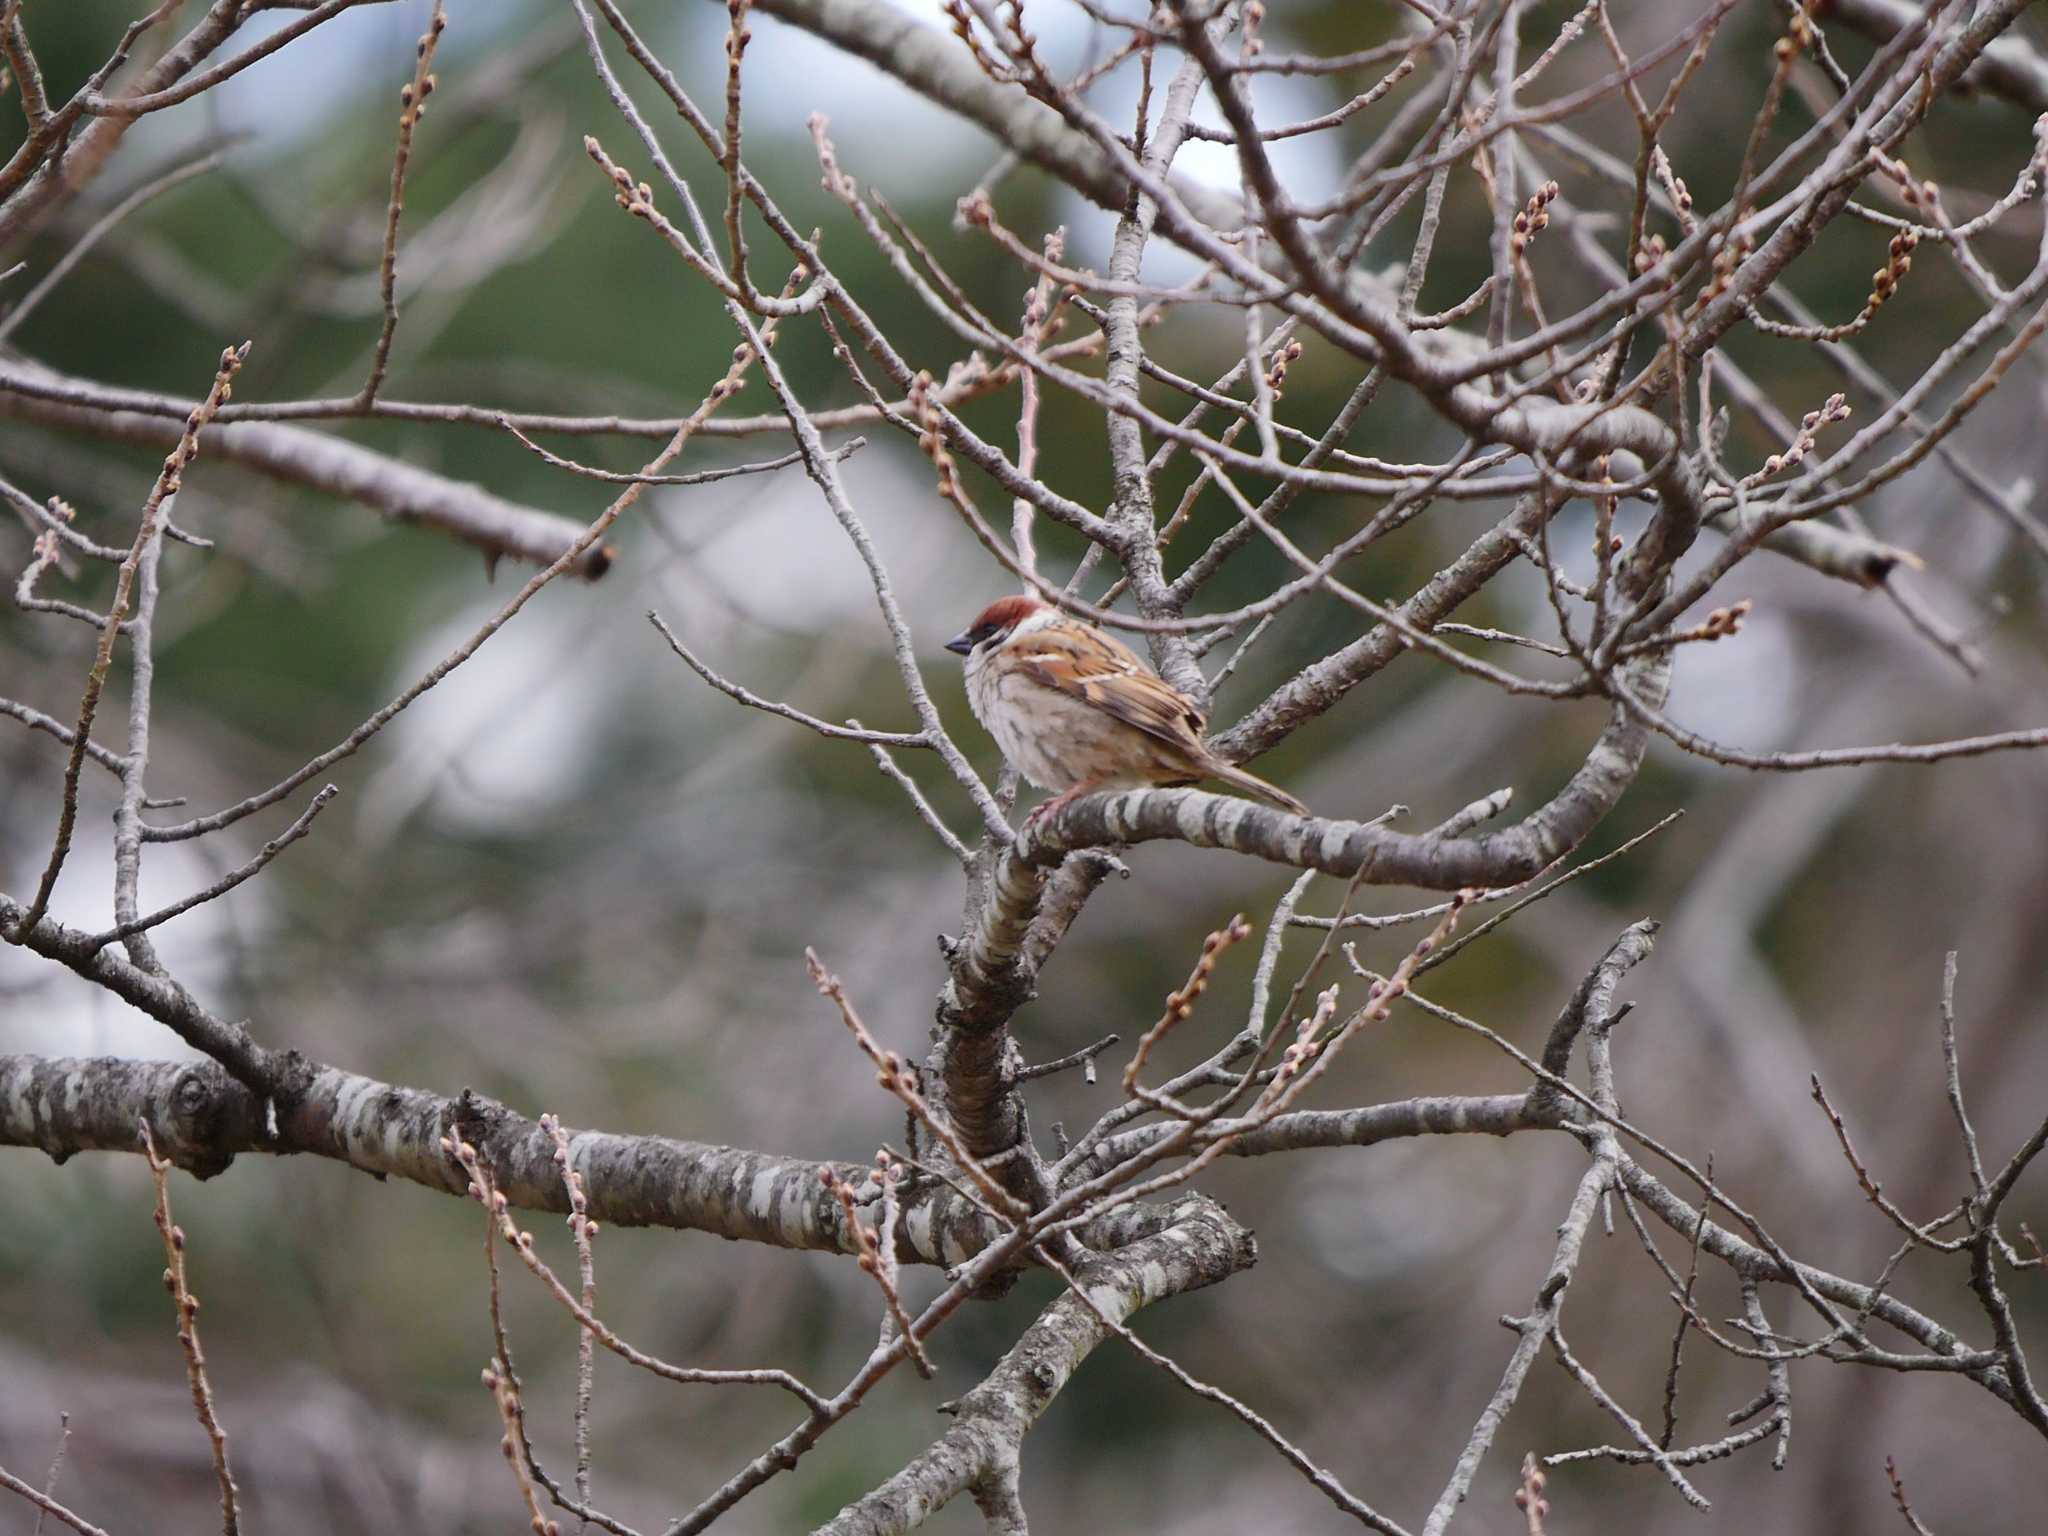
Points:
(1377, 855)
(1202, 1247)
(402, 492)
(2009, 67)
(203, 1119)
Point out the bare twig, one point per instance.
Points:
(226, 882)
(56, 1471)
(188, 1335)
(167, 482)
(521, 1244)
(755, 701)
(1913, 1521)
(45, 1505)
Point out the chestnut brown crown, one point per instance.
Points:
(995, 622)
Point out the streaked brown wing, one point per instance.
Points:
(1100, 671)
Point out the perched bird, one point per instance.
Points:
(1075, 710)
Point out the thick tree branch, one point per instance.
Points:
(402, 492)
(2010, 67)
(1367, 1125)
(202, 1119)
(1376, 855)
(264, 1072)
(1201, 1247)
(47, 171)
(937, 68)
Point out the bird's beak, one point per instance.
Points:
(961, 644)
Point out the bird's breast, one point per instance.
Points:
(1057, 741)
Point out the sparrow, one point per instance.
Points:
(1075, 710)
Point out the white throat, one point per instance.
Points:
(981, 680)
(979, 656)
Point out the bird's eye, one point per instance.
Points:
(981, 632)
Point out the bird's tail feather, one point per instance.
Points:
(1252, 784)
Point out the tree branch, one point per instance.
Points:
(402, 492)
(1376, 855)
(202, 1119)
(1202, 1247)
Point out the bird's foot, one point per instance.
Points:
(1056, 804)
